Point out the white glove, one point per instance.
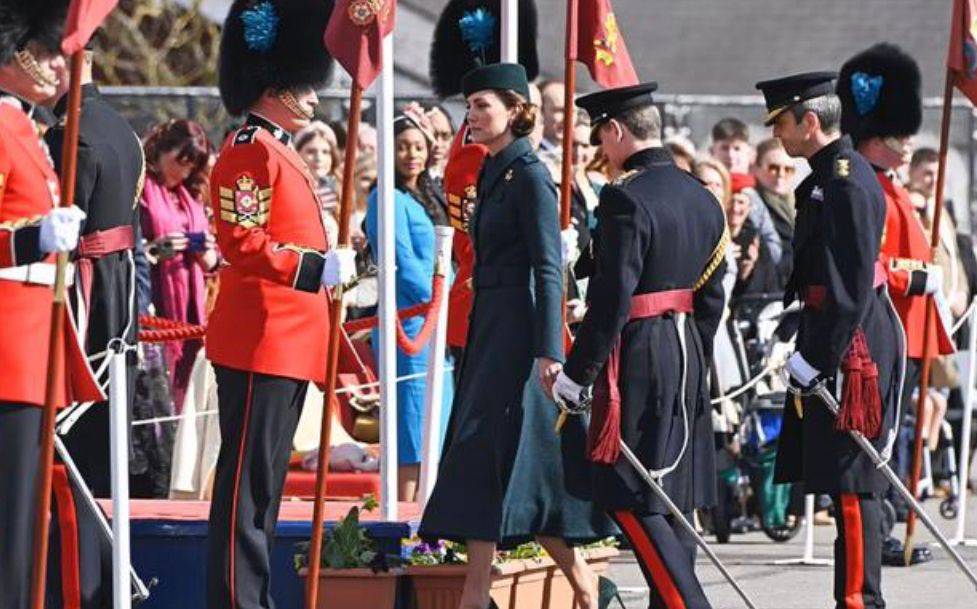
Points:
(340, 266)
(60, 229)
(803, 373)
(934, 279)
(566, 389)
(568, 245)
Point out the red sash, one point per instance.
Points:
(97, 245)
(604, 438)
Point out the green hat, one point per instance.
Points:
(502, 76)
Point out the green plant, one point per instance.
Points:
(420, 553)
(526, 551)
(348, 545)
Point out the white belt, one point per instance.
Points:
(39, 273)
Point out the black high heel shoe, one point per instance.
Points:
(607, 592)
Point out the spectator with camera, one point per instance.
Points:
(180, 245)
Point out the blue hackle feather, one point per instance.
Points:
(478, 30)
(865, 90)
(260, 27)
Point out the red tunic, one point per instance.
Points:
(28, 191)
(906, 253)
(271, 314)
(460, 177)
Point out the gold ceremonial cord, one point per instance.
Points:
(714, 260)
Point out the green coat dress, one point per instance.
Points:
(505, 476)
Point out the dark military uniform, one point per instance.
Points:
(504, 475)
(655, 300)
(841, 214)
(110, 172)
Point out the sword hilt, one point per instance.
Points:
(568, 408)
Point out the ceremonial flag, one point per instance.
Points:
(600, 45)
(962, 58)
(354, 35)
(84, 17)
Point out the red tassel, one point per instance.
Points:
(861, 403)
(604, 437)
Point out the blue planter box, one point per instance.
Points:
(174, 554)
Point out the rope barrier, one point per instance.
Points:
(410, 346)
(159, 329)
(963, 318)
(749, 385)
(341, 390)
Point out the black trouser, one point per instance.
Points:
(858, 551)
(73, 576)
(666, 553)
(258, 417)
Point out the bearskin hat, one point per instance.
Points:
(880, 94)
(39, 20)
(467, 35)
(272, 44)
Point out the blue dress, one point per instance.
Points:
(414, 236)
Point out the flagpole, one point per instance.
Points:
(387, 293)
(930, 311)
(509, 30)
(569, 116)
(332, 357)
(56, 365)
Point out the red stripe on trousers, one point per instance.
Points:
(650, 558)
(237, 484)
(854, 551)
(68, 526)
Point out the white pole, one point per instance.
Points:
(968, 409)
(387, 293)
(808, 558)
(510, 31)
(119, 459)
(431, 448)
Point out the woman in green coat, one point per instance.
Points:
(505, 476)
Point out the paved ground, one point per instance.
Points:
(751, 559)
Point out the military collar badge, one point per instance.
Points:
(842, 167)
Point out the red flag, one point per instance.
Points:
(962, 59)
(600, 45)
(84, 17)
(353, 36)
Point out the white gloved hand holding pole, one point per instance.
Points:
(340, 266)
(60, 229)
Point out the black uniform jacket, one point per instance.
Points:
(107, 187)
(840, 219)
(657, 229)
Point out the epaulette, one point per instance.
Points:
(625, 177)
(842, 167)
(246, 135)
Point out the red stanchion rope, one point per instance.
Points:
(410, 346)
(159, 330)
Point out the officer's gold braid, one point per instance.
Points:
(715, 259)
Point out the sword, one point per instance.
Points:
(821, 391)
(140, 592)
(656, 488)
